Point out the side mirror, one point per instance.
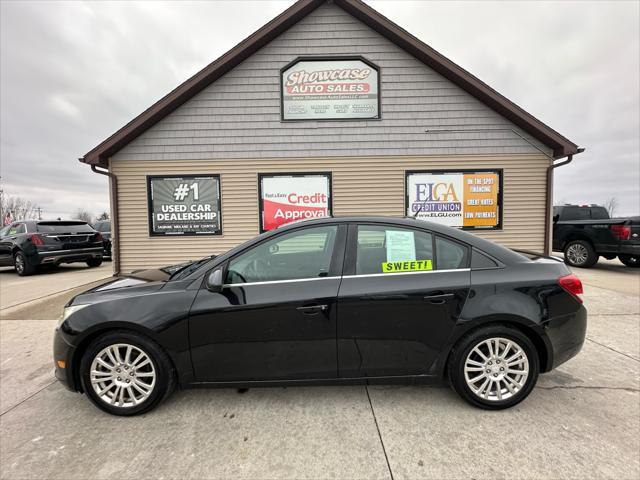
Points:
(214, 281)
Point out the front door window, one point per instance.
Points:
(301, 254)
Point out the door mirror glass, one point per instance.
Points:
(214, 281)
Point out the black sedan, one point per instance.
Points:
(29, 244)
(329, 301)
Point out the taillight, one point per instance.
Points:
(98, 237)
(621, 232)
(36, 240)
(572, 284)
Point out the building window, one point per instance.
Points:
(184, 205)
(468, 199)
(290, 197)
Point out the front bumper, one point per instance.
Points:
(63, 352)
(566, 335)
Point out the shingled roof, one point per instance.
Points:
(560, 145)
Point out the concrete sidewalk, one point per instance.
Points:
(581, 421)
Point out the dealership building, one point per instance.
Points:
(329, 109)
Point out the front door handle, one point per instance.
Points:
(313, 309)
(439, 298)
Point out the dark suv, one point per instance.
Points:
(29, 244)
(104, 227)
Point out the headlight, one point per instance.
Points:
(68, 311)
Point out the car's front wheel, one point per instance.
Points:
(632, 261)
(494, 367)
(124, 373)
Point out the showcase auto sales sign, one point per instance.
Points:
(286, 199)
(322, 89)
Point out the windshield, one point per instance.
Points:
(178, 272)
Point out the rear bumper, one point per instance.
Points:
(566, 335)
(56, 257)
(630, 249)
(63, 352)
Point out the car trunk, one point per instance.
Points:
(67, 235)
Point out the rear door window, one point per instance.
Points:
(385, 249)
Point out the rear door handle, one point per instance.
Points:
(439, 298)
(312, 309)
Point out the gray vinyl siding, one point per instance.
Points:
(238, 116)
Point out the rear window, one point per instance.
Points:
(103, 226)
(599, 213)
(575, 213)
(64, 227)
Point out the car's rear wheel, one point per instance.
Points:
(124, 373)
(632, 261)
(23, 268)
(94, 262)
(494, 367)
(580, 253)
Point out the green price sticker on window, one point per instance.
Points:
(408, 266)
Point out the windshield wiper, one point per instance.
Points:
(189, 267)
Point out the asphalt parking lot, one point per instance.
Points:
(582, 420)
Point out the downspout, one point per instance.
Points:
(549, 201)
(115, 229)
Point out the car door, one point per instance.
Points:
(401, 295)
(275, 318)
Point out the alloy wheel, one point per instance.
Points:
(496, 369)
(577, 254)
(19, 264)
(122, 375)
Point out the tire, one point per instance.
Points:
(23, 268)
(580, 253)
(94, 262)
(632, 261)
(489, 397)
(146, 385)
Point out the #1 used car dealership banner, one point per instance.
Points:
(288, 198)
(457, 199)
(184, 205)
(330, 89)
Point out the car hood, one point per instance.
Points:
(119, 288)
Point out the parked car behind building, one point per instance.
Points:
(585, 232)
(104, 227)
(29, 244)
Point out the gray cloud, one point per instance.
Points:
(73, 73)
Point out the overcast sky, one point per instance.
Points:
(73, 73)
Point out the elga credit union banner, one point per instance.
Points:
(286, 199)
(330, 89)
(185, 205)
(456, 199)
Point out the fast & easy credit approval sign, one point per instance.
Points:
(286, 198)
(462, 199)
